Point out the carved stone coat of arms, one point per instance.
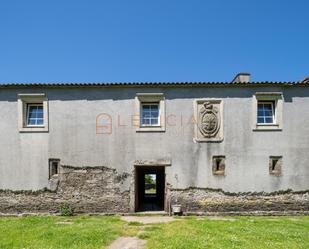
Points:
(209, 121)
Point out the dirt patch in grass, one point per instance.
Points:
(64, 223)
(221, 218)
(128, 243)
(147, 219)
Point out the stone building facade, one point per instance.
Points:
(212, 147)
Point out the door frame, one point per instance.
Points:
(136, 185)
(165, 162)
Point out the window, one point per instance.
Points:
(150, 114)
(53, 167)
(35, 115)
(32, 112)
(275, 165)
(266, 112)
(218, 165)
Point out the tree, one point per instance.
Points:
(150, 179)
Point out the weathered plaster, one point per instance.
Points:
(72, 138)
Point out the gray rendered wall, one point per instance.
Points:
(72, 138)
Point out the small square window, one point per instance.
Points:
(218, 165)
(53, 167)
(275, 165)
(35, 115)
(266, 112)
(150, 114)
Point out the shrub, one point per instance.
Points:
(66, 210)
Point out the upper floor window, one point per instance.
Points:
(150, 110)
(35, 115)
(32, 112)
(266, 112)
(150, 114)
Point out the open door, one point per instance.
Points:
(150, 188)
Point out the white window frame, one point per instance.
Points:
(273, 109)
(149, 98)
(141, 118)
(28, 112)
(25, 99)
(277, 99)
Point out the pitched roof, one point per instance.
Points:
(151, 84)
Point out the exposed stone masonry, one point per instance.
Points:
(104, 190)
(87, 189)
(196, 200)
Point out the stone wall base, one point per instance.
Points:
(211, 202)
(100, 190)
(88, 189)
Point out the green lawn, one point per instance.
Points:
(150, 191)
(192, 232)
(61, 232)
(243, 232)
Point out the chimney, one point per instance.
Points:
(241, 78)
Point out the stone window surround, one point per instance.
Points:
(150, 98)
(277, 170)
(31, 98)
(214, 162)
(51, 162)
(277, 98)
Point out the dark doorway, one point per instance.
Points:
(150, 188)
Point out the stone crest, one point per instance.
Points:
(209, 121)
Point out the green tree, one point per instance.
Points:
(149, 179)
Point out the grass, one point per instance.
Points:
(190, 232)
(240, 232)
(61, 232)
(151, 191)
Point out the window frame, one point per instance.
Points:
(51, 161)
(273, 109)
(150, 98)
(142, 118)
(217, 161)
(28, 113)
(277, 171)
(277, 99)
(25, 99)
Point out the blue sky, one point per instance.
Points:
(162, 40)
